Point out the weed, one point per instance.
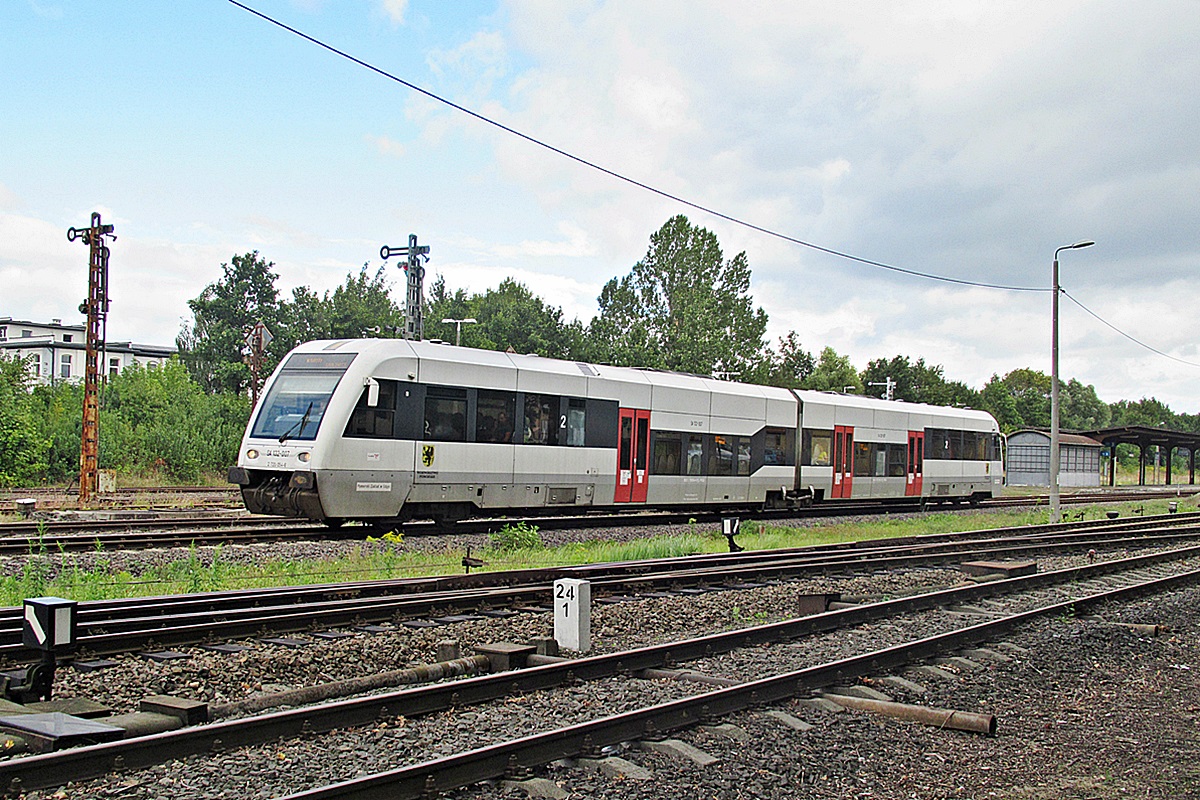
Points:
(521, 536)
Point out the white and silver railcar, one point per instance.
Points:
(386, 429)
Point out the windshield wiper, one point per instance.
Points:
(303, 421)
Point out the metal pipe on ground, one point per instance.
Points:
(937, 717)
(425, 673)
(686, 675)
(1138, 627)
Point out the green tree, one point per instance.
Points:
(791, 365)
(919, 382)
(833, 373)
(213, 346)
(23, 448)
(1150, 412)
(508, 316)
(1080, 408)
(683, 307)
(361, 306)
(997, 399)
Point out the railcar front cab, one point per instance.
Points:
(274, 467)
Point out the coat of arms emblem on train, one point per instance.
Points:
(427, 455)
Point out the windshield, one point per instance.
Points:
(294, 406)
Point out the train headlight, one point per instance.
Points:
(305, 457)
(251, 454)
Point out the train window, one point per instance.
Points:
(374, 423)
(541, 421)
(494, 416)
(862, 459)
(937, 443)
(576, 422)
(643, 443)
(295, 404)
(720, 457)
(625, 451)
(897, 460)
(446, 415)
(816, 447)
(667, 449)
(743, 457)
(978, 449)
(695, 454)
(775, 447)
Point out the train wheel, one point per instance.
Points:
(445, 516)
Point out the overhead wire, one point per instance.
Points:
(681, 200)
(1136, 341)
(632, 181)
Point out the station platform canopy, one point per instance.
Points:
(1144, 437)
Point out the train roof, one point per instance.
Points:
(876, 403)
(385, 349)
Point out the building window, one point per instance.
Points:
(25, 334)
(35, 364)
(65, 369)
(114, 366)
(68, 337)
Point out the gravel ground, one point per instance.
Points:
(219, 678)
(1091, 711)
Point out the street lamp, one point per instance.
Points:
(1054, 504)
(458, 323)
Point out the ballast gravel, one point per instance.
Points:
(1083, 690)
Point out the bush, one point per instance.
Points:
(521, 536)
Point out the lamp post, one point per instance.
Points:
(1054, 504)
(458, 323)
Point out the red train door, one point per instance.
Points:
(916, 460)
(633, 455)
(843, 461)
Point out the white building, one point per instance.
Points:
(58, 352)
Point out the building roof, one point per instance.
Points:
(1078, 439)
(1146, 435)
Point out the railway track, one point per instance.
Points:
(178, 530)
(129, 625)
(396, 739)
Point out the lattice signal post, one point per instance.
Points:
(414, 322)
(96, 309)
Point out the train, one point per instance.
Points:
(382, 431)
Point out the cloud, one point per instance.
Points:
(575, 245)
(395, 10)
(388, 146)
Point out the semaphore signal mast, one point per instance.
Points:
(96, 309)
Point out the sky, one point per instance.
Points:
(967, 140)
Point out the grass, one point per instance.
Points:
(44, 572)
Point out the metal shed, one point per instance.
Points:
(1028, 459)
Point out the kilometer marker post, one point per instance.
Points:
(573, 614)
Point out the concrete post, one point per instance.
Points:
(573, 614)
